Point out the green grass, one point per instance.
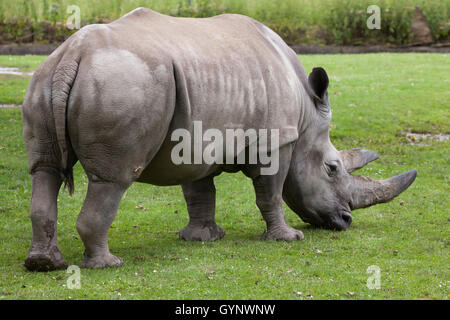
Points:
(24, 63)
(340, 21)
(373, 101)
(13, 87)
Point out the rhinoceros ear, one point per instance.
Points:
(318, 80)
(355, 159)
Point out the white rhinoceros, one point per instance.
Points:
(112, 96)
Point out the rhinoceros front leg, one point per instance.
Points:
(44, 254)
(200, 198)
(268, 189)
(98, 212)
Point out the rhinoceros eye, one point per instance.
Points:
(331, 169)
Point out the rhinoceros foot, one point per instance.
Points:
(284, 233)
(105, 261)
(45, 261)
(210, 232)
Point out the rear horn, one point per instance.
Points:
(355, 159)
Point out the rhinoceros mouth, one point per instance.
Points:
(339, 221)
(342, 221)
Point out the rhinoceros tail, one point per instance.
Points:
(63, 79)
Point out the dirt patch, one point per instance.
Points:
(46, 49)
(420, 29)
(14, 71)
(332, 49)
(31, 48)
(10, 106)
(421, 139)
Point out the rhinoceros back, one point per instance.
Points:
(230, 71)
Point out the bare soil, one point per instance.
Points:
(45, 49)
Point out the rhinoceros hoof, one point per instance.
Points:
(45, 261)
(211, 232)
(104, 261)
(284, 233)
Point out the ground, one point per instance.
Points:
(376, 99)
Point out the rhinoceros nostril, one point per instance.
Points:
(347, 217)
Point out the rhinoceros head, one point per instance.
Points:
(319, 186)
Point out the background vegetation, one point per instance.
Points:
(297, 21)
(375, 98)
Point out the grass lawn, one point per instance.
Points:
(375, 99)
(14, 87)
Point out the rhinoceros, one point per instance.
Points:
(112, 95)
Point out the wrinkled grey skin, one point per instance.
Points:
(111, 96)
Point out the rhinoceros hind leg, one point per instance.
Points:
(98, 212)
(201, 204)
(103, 261)
(48, 261)
(268, 189)
(44, 254)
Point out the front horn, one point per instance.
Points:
(368, 192)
